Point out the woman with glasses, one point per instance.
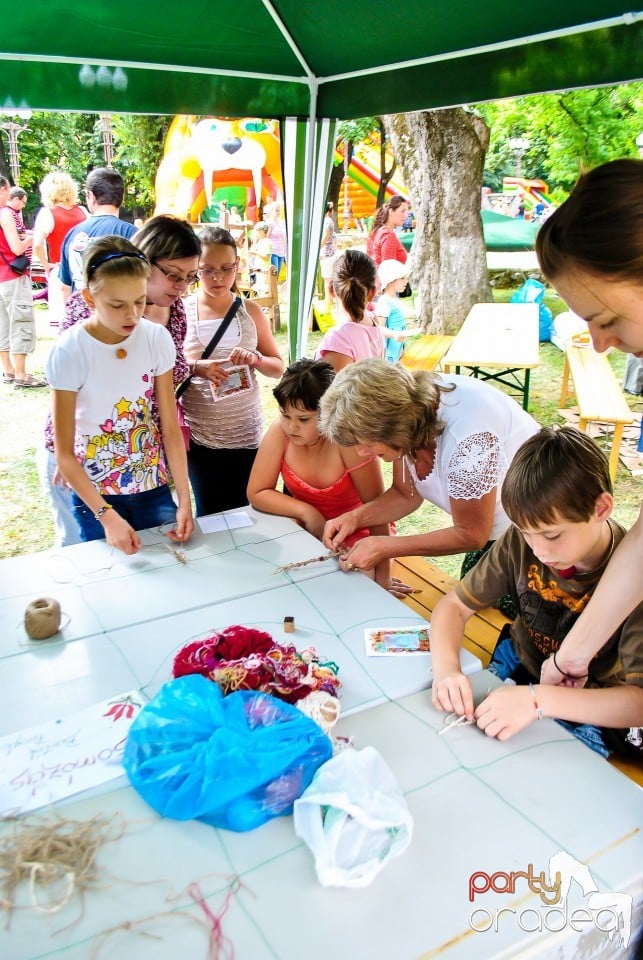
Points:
(172, 247)
(221, 404)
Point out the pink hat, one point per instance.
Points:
(390, 270)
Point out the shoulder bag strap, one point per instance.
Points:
(225, 323)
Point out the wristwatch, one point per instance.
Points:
(103, 509)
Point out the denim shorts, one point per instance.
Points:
(151, 508)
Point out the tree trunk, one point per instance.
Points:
(385, 175)
(334, 187)
(441, 156)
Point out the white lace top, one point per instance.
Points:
(484, 428)
(236, 421)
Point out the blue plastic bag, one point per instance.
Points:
(232, 762)
(533, 291)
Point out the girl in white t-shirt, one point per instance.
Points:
(104, 373)
(358, 334)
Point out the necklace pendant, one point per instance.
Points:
(121, 353)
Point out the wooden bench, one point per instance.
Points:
(598, 393)
(482, 630)
(426, 352)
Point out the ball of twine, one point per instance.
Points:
(42, 618)
(321, 707)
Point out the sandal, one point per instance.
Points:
(29, 381)
(8, 377)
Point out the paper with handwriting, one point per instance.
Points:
(49, 762)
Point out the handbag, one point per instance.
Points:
(182, 387)
(19, 265)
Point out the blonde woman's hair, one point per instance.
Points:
(372, 401)
(58, 187)
(108, 257)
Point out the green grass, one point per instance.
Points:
(25, 519)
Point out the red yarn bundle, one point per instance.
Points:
(242, 658)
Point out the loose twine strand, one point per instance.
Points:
(56, 859)
(57, 862)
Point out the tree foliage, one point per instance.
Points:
(567, 132)
(349, 132)
(74, 142)
(138, 149)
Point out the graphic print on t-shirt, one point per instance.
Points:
(548, 611)
(126, 456)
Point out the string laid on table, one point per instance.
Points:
(219, 947)
(453, 720)
(305, 563)
(177, 552)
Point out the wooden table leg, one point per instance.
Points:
(564, 387)
(616, 449)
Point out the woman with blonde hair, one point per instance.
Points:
(450, 439)
(61, 212)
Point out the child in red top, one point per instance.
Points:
(323, 479)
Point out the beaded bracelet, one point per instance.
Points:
(568, 676)
(538, 710)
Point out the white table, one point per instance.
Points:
(478, 805)
(130, 616)
(499, 341)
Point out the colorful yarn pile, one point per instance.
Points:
(242, 658)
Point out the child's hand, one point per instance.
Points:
(451, 692)
(120, 534)
(214, 371)
(240, 356)
(184, 525)
(398, 588)
(506, 711)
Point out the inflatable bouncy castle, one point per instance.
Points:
(211, 160)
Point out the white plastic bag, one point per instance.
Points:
(354, 818)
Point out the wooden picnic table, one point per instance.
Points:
(499, 342)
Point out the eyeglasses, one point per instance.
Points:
(176, 278)
(206, 273)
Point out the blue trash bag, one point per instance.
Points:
(232, 762)
(533, 291)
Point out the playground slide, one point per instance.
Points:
(364, 179)
(534, 191)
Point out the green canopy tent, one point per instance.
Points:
(308, 64)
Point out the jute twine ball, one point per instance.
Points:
(42, 618)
